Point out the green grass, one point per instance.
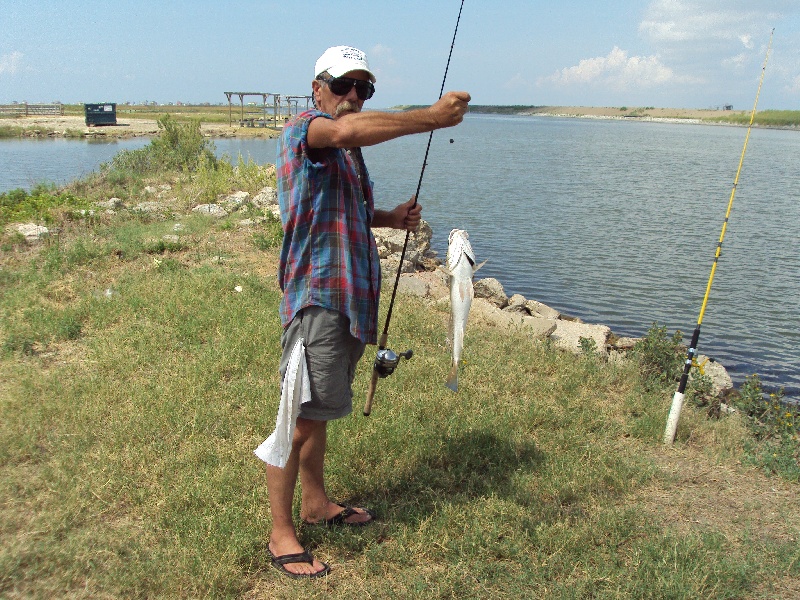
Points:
(764, 118)
(135, 382)
(10, 131)
(126, 466)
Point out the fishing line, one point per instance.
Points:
(386, 360)
(677, 399)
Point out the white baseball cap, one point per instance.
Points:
(339, 60)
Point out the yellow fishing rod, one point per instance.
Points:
(677, 399)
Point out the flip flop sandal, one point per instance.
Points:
(279, 563)
(340, 520)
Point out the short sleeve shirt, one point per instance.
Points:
(328, 257)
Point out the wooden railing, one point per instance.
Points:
(24, 109)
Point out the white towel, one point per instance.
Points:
(296, 390)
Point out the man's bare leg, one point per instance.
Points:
(315, 504)
(309, 437)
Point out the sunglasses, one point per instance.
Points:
(341, 86)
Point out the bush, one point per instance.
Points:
(774, 426)
(179, 147)
(660, 357)
(770, 416)
(36, 205)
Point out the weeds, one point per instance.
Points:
(270, 238)
(588, 346)
(39, 205)
(179, 147)
(659, 356)
(775, 426)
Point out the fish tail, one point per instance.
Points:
(452, 378)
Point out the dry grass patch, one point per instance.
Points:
(693, 491)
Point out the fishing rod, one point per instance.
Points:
(386, 360)
(677, 399)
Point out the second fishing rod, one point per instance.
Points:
(677, 399)
(386, 360)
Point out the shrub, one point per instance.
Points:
(36, 205)
(180, 147)
(660, 357)
(773, 424)
(770, 416)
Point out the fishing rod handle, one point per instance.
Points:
(371, 392)
(374, 381)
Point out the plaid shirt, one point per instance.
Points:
(329, 257)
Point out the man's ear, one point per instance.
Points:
(315, 90)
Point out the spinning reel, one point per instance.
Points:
(386, 361)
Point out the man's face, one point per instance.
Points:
(336, 105)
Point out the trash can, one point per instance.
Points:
(100, 114)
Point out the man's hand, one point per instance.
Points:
(449, 110)
(404, 216)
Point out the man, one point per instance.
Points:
(330, 274)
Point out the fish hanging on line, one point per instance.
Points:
(460, 267)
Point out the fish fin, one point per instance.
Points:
(452, 378)
(480, 265)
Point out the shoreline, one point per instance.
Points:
(73, 126)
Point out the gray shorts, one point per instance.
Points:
(332, 354)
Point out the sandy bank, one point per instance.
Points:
(74, 126)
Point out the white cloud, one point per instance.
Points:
(738, 61)
(617, 70)
(721, 43)
(10, 63)
(708, 21)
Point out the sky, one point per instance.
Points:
(660, 53)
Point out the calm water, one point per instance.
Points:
(616, 222)
(24, 163)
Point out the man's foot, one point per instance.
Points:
(298, 565)
(345, 515)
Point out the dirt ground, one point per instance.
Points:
(126, 127)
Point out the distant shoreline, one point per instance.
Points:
(128, 125)
(601, 111)
(708, 116)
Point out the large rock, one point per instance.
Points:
(537, 309)
(720, 380)
(390, 246)
(492, 290)
(32, 231)
(568, 334)
(268, 196)
(485, 312)
(235, 200)
(212, 210)
(150, 207)
(110, 204)
(425, 284)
